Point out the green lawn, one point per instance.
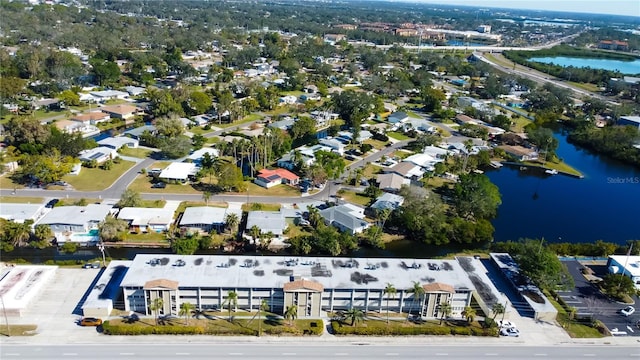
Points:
(135, 152)
(278, 190)
(585, 86)
(142, 184)
(97, 179)
(398, 136)
(260, 207)
(77, 202)
(247, 119)
(411, 114)
(519, 124)
(21, 200)
(561, 166)
(377, 144)
(355, 198)
(151, 237)
(153, 203)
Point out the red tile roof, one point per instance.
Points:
(303, 284)
(282, 173)
(438, 287)
(161, 283)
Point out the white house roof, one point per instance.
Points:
(267, 221)
(117, 142)
(422, 160)
(344, 216)
(198, 154)
(178, 171)
(388, 201)
(207, 215)
(391, 181)
(631, 264)
(95, 153)
(76, 215)
(146, 216)
(20, 212)
(109, 93)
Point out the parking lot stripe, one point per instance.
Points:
(539, 354)
(442, 354)
(70, 354)
(127, 354)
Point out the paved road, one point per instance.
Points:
(115, 190)
(539, 77)
(368, 350)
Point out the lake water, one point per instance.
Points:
(625, 67)
(604, 205)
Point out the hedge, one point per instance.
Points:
(140, 329)
(411, 330)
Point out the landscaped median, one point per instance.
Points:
(271, 325)
(380, 327)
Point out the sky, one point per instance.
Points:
(615, 7)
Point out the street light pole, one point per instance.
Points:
(4, 311)
(101, 248)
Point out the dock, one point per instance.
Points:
(495, 164)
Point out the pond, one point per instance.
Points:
(625, 67)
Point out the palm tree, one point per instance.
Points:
(356, 316)
(315, 219)
(390, 291)
(185, 310)
(291, 314)
(156, 305)
(232, 300)
(418, 291)
(254, 232)
(469, 313)
(232, 221)
(206, 196)
(445, 311)
(497, 309)
(264, 306)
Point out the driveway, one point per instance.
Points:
(587, 299)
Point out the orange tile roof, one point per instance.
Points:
(438, 287)
(283, 173)
(161, 283)
(120, 109)
(303, 284)
(96, 115)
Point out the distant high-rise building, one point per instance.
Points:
(484, 29)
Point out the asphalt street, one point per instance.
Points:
(118, 187)
(306, 351)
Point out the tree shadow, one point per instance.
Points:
(273, 320)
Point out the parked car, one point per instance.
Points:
(628, 311)
(506, 324)
(90, 321)
(510, 332)
(159, 185)
(93, 265)
(52, 203)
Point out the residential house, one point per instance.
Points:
(284, 124)
(466, 101)
(391, 182)
(135, 90)
(630, 121)
(521, 153)
(269, 178)
(76, 223)
(122, 111)
(48, 104)
(267, 221)
(206, 218)
(288, 100)
(420, 125)
(20, 213)
(407, 170)
(387, 201)
(137, 132)
(347, 218)
(178, 172)
(425, 161)
(93, 118)
(201, 120)
(99, 154)
(398, 117)
(105, 95)
(335, 145)
(196, 156)
(147, 220)
(72, 127)
(118, 142)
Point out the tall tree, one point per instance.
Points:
(156, 306)
(418, 291)
(444, 310)
(130, 198)
(232, 222)
(291, 313)
(469, 313)
(390, 291)
(231, 301)
(356, 315)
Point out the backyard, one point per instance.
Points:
(97, 179)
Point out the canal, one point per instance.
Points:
(602, 206)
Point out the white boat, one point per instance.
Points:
(551, 171)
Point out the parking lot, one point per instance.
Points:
(587, 299)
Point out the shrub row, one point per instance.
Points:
(411, 330)
(140, 329)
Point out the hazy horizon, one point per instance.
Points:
(611, 7)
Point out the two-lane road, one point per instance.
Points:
(324, 351)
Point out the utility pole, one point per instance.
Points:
(101, 248)
(6, 319)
